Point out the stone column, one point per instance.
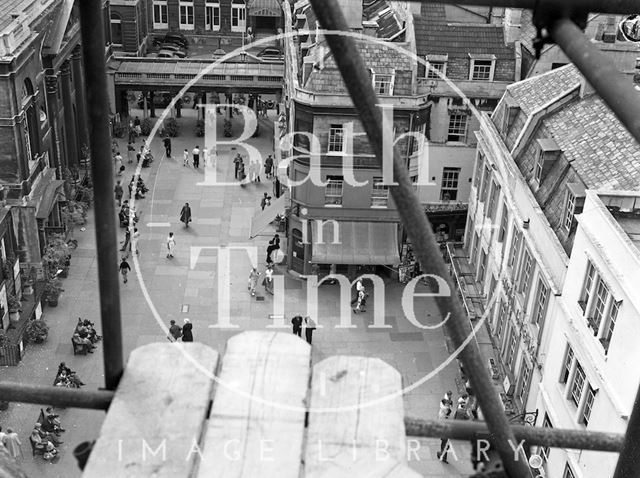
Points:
(69, 120)
(81, 100)
(51, 87)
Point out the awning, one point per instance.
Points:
(262, 219)
(49, 196)
(362, 243)
(264, 8)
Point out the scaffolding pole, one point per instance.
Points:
(55, 396)
(95, 70)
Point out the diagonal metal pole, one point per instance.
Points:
(95, 71)
(359, 85)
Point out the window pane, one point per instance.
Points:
(336, 135)
(602, 295)
(588, 284)
(379, 193)
(481, 70)
(333, 190)
(457, 127)
(436, 67)
(541, 303)
(588, 405)
(578, 384)
(569, 208)
(449, 186)
(566, 368)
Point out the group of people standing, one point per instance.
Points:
(466, 409)
(252, 170)
(176, 332)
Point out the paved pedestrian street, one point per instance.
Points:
(178, 289)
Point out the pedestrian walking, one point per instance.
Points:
(253, 280)
(268, 166)
(185, 214)
(127, 241)
(136, 238)
(187, 331)
(185, 158)
(13, 444)
(296, 322)
(267, 282)
(448, 397)
(167, 146)
(131, 150)
(119, 192)
(175, 331)
(171, 244)
(241, 173)
(359, 288)
(196, 157)
(137, 126)
(237, 161)
(361, 298)
(443, 414)
(124, 269)
(119, 165)
(263, 201)
(309, 327)
(274, 245)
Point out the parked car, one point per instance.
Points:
(175, 38)
(177, 50)
(270, 53)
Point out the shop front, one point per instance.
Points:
(343, 247)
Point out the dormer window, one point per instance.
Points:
(436, 66)
(482, 67)
(383, 82)
(548, 151)
(574, 202)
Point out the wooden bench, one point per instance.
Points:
(80, 349)
(264, 413)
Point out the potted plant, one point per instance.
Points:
(37, 331)
(15, 307)
(171, 127)
(56, 257)
(52, 290)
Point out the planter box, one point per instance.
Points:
(11, 354)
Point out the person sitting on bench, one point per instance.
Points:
(52, 423)
(77, 340)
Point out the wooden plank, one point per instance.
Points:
(356, 420)
(157, 415)
(257, 420)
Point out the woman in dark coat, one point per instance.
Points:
(185, 214)
(187, 331)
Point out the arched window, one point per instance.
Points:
(116, 29)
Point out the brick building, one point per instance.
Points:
(549, 141)
(216, 22)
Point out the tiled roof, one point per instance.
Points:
(329, 80)
(599, 147)
(9, 7)
(534, 92)
(388, 24)
(435, 35)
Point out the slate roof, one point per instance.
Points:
(534, 92)
(436, 35)
(599, 147)
(389, 25)
(375, 56)
(8, 7)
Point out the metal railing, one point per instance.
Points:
(554, 18)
